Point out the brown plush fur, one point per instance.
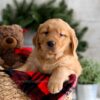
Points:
(11, 37)
(60, 60)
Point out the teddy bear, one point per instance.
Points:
(11, 38)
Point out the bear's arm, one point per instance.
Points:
(1, 61)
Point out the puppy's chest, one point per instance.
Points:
(49, 67)
(46, 68)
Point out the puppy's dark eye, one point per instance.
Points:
(63, 35)
(46, 33)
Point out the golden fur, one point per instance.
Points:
(61, 60)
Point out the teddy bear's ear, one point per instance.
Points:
(2, 29)
(19, 31)
(19, 28)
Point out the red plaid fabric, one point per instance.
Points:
(35, 84)
(24, 51)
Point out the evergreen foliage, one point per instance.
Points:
(91, 72)
(30, 15)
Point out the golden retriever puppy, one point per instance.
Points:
(55, 53)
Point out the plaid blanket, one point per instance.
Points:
(35, 84)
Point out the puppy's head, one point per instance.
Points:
(55, 37)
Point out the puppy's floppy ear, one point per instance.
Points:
(74, 42)
(36, 38)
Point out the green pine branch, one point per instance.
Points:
(30, 15)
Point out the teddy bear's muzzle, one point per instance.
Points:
(9, 42)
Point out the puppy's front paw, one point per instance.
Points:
(55, 86)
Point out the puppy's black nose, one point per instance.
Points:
(50, 43)
(9, 40)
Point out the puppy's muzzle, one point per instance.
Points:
(51, 44)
